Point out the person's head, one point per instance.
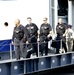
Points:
(29, 19)
(70, 26)
(45, 20)
(60, 21)
(17, 22)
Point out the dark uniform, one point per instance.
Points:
(19, 38)
(44, 31)
(32, 39)
(60, 30)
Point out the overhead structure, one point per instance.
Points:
(70, 11)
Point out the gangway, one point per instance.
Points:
(25, 66)
(32, 65)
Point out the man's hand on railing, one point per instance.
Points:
(12, 42)
(48, 35)
(66, 31)
(38, 39)
(55, 35)
(27, 42)
(38, 32)
(64, 35)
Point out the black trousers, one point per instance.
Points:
(58, 44)
(43, 48)
(44, 44)
(19, 48)
(32, 44)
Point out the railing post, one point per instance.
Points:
(10, 51)
(38, 48)
(61, 44)
(38, 41)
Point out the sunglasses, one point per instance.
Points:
(44, 20)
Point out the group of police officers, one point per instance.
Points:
(25, 38)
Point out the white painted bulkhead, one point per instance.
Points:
(21, 9)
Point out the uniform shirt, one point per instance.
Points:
(32, 29)
(45, 29)
(19, 33)
(61, 28)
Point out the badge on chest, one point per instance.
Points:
(30, 27)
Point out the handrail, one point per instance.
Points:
(32, 43)
(38, 43)
(38, 49)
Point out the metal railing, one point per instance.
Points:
(38, 46)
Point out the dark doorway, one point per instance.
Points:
(63, 7)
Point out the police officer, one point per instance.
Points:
(61, 30)
(45, 36)
(19, 38)
(32, 39)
